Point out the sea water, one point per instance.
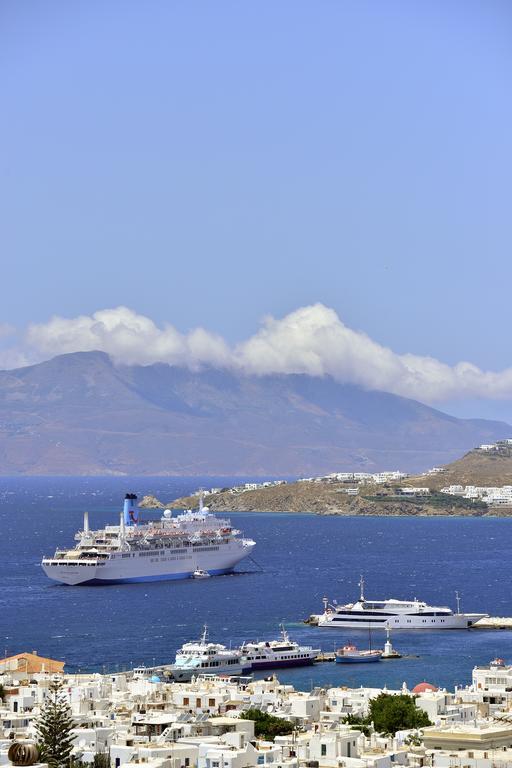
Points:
(298, 560)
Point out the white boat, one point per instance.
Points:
(274, 654)
(174, 547)
(202, 657)
(200, 574)
(393, 614)
(350, 654)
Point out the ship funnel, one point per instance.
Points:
(130, 514)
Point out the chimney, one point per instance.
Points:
(129, 513)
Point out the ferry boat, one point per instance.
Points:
(350, 654)
(174, 547)
(394, 614)
(202, 657)
(278, 653)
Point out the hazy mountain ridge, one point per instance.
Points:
(81, 414)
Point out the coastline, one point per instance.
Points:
(332, 500)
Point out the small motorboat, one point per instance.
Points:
(349, 654)
(200, 574)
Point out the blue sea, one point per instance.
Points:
(298, 560)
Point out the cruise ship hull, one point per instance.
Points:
(157, 565)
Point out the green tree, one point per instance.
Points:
(267, 726)
(390, 714)
(359, 723)
(102, 760)
(2, 692)
(54, 727)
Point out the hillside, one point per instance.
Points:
(81, 414)
(332, 499)
(477, 467)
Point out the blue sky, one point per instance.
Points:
(207, 164)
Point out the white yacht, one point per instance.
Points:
(274, 654)
(202, 657)
(394, 614)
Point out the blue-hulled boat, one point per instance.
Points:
(350, 654)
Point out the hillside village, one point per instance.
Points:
(135, 717)
(478, 483)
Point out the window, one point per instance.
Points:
(186, 701)
(211, 702)
(323, 750)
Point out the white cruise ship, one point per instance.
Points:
(202, 657)
(175, 547)
(393, 614)
(274, 654)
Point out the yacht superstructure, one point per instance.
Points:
(273, 654)
(202, 657)
(174, 547)
(394, 614)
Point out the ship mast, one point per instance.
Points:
(361, 584)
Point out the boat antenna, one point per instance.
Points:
(361, 584)
(457, 598)
(204, 636)
(284, 633)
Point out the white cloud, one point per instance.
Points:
(128, 338)
(11, 356)
(314, 340)
(311, 340)
(6, 330)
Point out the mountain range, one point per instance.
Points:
(80, 414)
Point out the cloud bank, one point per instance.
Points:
(311, 340)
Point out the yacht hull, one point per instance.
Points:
(410, 622)
(281, 664)
(185, 675)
